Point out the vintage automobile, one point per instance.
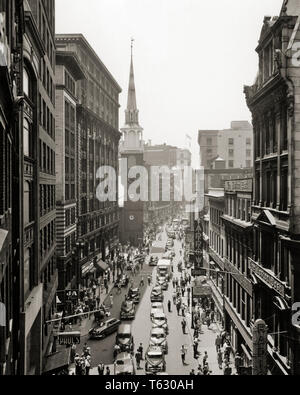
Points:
(157, 294)
(162, 281)
(124, 338)
(104, 329)
(122, 280)
(153, 261)
(124, 365)
(127, 310)
(158, 337)
(159, 320)
(155, 360)
(134, 295)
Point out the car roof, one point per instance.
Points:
(123, 356)
(125, 328)
(154, 349)
(159, 313)
(158, 331)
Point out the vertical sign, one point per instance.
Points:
(198, 245)
(260, 340)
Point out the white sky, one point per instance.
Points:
(191, 57)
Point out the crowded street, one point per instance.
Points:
(102, 352)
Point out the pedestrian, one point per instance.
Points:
(227, 370)
(149, 280)
(183, 311)
(220, 359)
(182, 292)
(183, 354)
(101, 369)
(111, 298)
(192, 373)
(195, 347)
(138, 360)
(218, 343)
(174, 283)
(205, 358)
(87, 365)
(183, 324)
(169, 306)
(238, 363)
(140, 350)
(73, 352)
(208, 323)
(107, 373)
(117, 350)
(178, 306)
(206, 371)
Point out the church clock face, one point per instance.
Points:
(131, 161)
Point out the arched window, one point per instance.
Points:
(26, 83)
(26, 271)
(26, 203)
(26, 138)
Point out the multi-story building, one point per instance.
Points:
(238, 289)
(38, 275)
(274, 103)
(216, 176)
(11, 39)
(234, 146)
(68, 72)
(216, 250)
(97, 145)
(170, 157)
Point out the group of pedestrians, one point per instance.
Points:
(83, 362)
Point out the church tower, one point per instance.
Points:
(132, 150)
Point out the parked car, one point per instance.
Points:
(162, 282)
(158, 337)
(127, 310)
(157, 294)
(159, 320)
(134, 295)
(104, 329)
(124, 365)
(155, 360)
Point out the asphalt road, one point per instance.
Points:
(102, 350)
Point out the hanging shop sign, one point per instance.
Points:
(68, 338)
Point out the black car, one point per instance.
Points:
(104, 329)
(127, 310)
(134, 295)
(153, 261)
(122, 280)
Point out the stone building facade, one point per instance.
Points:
(97, 142)
(68, 72)
(274, 103)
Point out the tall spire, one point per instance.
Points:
(131, 111)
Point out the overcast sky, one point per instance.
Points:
(191, 57)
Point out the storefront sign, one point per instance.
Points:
(68, 338)
(260, 341)
(200, 291)
(87, 267)
(270, 280)
(238, 185)
(239, 277)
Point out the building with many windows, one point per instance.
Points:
(68, 72)
(11, 39)
(97, 142)
(238, 289)
(233, 145)
(274, 104)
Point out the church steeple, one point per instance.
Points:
(132, 131)
(131, 113)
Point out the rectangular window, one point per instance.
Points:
(231, 164)
(230, 141)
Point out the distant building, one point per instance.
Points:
(234, 145)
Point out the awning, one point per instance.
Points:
(102, 265)
(280, 303)
(58, 361)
